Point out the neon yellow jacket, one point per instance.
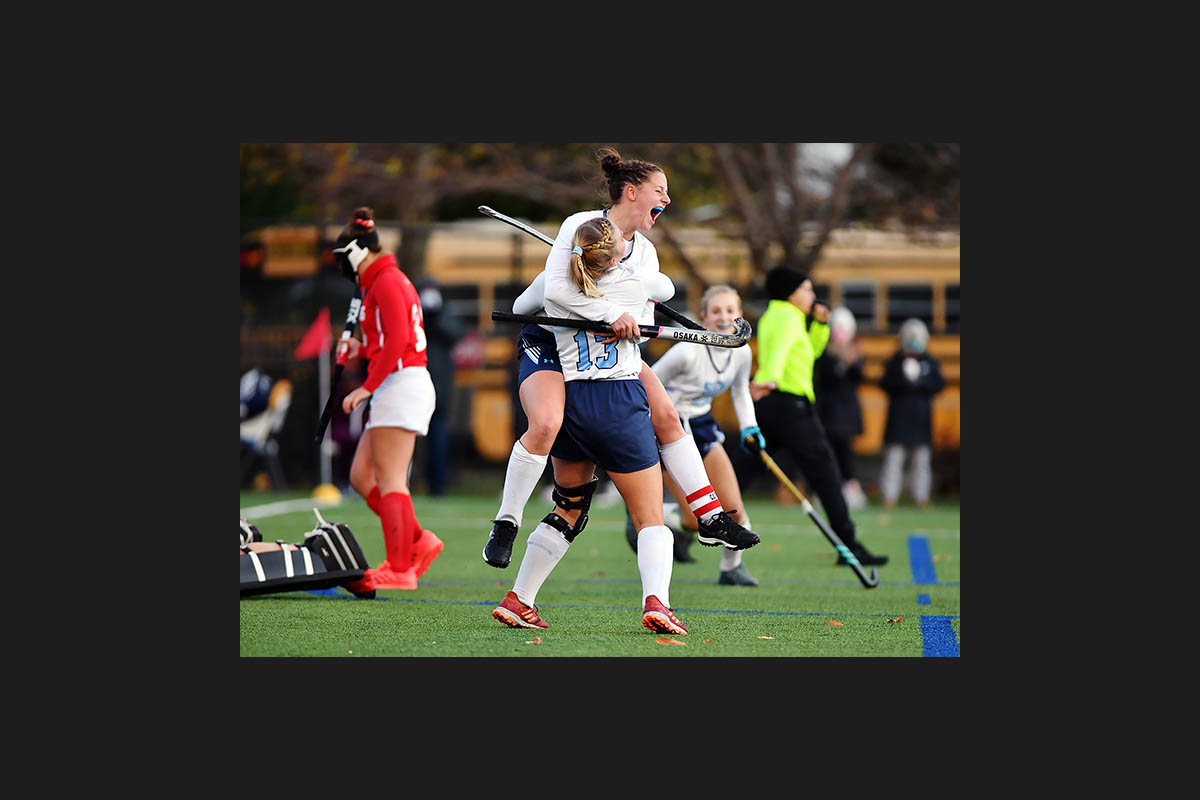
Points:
(787, 350)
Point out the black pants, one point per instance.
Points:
(789, 424)
(843, 450)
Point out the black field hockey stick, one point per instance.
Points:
(666, 310)
(868, 581)
(347, 332)
(737, 339)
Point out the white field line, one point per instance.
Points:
(287, 507)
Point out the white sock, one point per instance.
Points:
(685, 466)
(731, 558)
(544, 550)
(654, 558)
(524, 471)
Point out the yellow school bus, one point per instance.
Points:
(882, 277)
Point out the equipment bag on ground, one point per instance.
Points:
(329, 556)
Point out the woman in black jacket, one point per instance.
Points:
(911, 378)
(837, 373)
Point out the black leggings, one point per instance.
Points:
(789, 425)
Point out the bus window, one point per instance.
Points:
(906, 301)
(860, 299)
(952, 308)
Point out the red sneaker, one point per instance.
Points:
(425, 550)
(384, 577)
(515, 614)
(659, 618)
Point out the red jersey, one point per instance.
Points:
(393, 324)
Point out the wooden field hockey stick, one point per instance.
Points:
(869, 582)
(666, 310)
(347, 332)
(741, 336)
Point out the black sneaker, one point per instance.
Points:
(721, 529)
(738, 576)
(683, 540)
(498, 550)
(864, 557)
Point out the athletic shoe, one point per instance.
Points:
(738, 576)
(721, 529)
(425, 550)
(864, 557)
(683, 540)
(384, 577)
(498, 550)
(515, 614)
(659, 618)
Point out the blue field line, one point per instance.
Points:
(921, 561)
(923, 600)
(339, 595)
(938, 639)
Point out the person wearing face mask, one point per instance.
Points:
(911, 377)
(400, 401)
(792, 333)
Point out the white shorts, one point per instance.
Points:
(405, 399)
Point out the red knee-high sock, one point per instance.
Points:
(373, 499)
(396, 513)
(412, 515)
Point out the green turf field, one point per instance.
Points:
(592, 601)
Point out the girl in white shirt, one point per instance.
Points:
(638, 191)
(693, 375)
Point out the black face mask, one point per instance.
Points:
(349, 256)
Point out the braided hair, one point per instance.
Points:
(595, 245)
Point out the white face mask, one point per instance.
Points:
(349, 257)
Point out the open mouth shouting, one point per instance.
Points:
(654, 212)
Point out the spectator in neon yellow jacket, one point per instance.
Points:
(792, 333)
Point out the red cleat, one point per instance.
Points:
(384, 577)
(659, 618)
(515, 614)
(425, 550)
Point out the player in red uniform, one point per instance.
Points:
(401, 401)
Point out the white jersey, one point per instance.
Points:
(581, 356)
(693, 374)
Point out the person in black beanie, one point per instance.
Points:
(792, 333)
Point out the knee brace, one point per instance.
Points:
(562, 495)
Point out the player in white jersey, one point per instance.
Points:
(693, 375)
(606, 423)
(638, 191)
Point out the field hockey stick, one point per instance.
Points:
(738, 339)
(347, 332)
(666, 310)
(869, 582)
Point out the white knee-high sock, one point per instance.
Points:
(731, 558)
(544, 550)
(654, 557)
(685, 466)
(524, 471)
